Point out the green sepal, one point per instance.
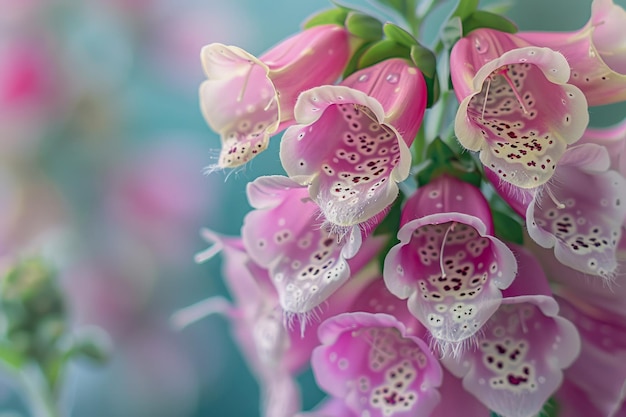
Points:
(399, 35)
(442, 159)
(424, 59)
(381, 50)
(485, 19)
(353, 63)
(364, 26)
(335, 16)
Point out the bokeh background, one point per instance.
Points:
(102, 152)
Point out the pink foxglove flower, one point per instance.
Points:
(518, 361)
(600, 370)
(582, 213)
(351, 143)
(377, 364)
(248, 99)
(273, 352)
(306, 262)
(516, 107)
(448, 264)
(595, 53)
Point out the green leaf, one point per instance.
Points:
(484, 19)
(381, 50)
(353, 63)
(464, 8)
(11, 357)
(391, 222)
(424, 59)
(451, 32)
(336, 16)
(507, 228)
(444, 160)
(406, 8)
(364, 26)
(399, 35)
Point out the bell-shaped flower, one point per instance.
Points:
(518, 361)
(595, 53)
(273, 352)
(377, 364)
(516, 107)
(600, 370)
(448, 264)
(351, 143)
(581, 212)
(247, 99)
(284, 234)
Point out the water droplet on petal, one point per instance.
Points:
(481, 47)
(363, 78)
(393, 78)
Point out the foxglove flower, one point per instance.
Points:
(516, 107)
(273, 352)
(595, 53)
(600, 370)
(581, 212)
(518, 361)
(306, 262)
(248, 99)
(351, 143)
(376, 363)
(448, 264)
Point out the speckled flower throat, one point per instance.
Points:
(437, 208)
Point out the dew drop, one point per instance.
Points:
(363, 78)
(392, 78)
(481, 47)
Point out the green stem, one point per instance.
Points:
(39, 398)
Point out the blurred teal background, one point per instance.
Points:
(102, 151)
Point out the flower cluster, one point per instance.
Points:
(421, 264)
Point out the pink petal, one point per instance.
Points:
(354, 176)
(521, 113)
(600, 370)
(582, 213)
(371, 362)
(517, 364)
(595, 52)
(306, 262)
(248, 99)
(446, 264)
